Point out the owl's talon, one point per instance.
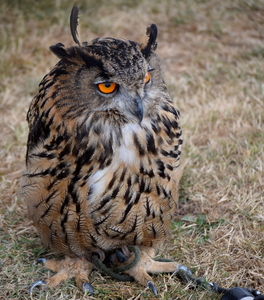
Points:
(183, 268)
(152, 287)
(184, 274)
(121, 257)
(87, 288)
(37, 283)
(41, 261)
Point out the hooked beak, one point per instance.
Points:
(138, 111)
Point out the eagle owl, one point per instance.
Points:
(103, 158)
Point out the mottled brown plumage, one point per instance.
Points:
(102, 169)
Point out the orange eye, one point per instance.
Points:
(147, 78)
(107, 87)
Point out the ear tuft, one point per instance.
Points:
(59, 50)
(152, 32)
(74, 24)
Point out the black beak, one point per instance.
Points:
(138, 109)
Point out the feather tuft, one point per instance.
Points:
(152, 32)
(74, 24)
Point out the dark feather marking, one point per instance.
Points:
(66, 239)
(40, 131)
(63, 221)
(65, 151)
(43, 173)
(63, 174)
(142, 185)
(78, 207)
(127, 210)
(112, 181)
(56, 141)
(65, 203)
(172, 110)
(164, 192)
(141, 150)
(47, 85)
(128, 196)
(90, 192)
(51, 224)
(161, 219)
(132, 229)
(108, 150)
(151, 147)
(134, 225)
(122, 177)
(129, 182)
(161, 168)
(166, 122)
(101, 221)
(158, 189)
(136, 178)
(155, 127)
(57, 72)
(142, 169)
(154, 230)
(102, 159)
(47, 199)
(170, 167)
(93, 238)
(135, 239)
(89, 60)
(85, 178)
(46, 212)
(151, 173)
(148, 189)
(177, 135)
(137, 198)
(86, 157)
(115, 192)
(44, 155)
(171, 154)
(72, 192)
(103, 202)
(147, 207)
(78, 227)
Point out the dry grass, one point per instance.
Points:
(213, 58)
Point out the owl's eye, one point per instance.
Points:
(107, 87)
(147, 78)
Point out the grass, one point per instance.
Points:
(213, 61)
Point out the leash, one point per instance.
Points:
(183, 274)
(115, 272)
(236, 293)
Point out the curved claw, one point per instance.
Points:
(87, 288)
(152, 287)
(121, 257)
(181, 267)
(41, 261)
(37, 283)
(184, 274)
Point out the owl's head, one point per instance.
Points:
(107, 74)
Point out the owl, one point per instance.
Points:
(103, 160)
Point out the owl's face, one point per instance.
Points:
(110, 75)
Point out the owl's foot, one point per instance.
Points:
(147, 265)
(66, 269)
